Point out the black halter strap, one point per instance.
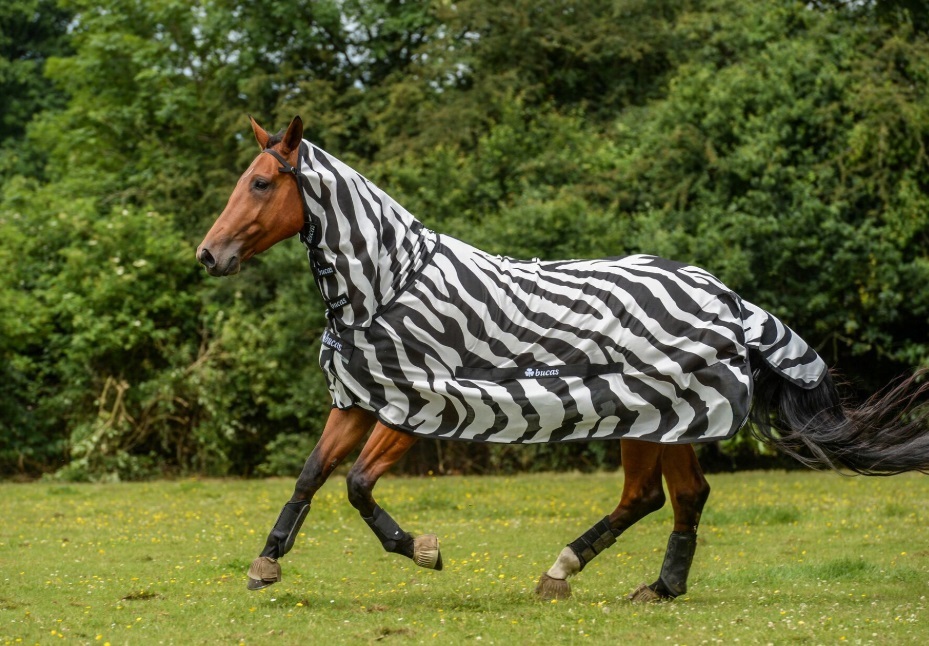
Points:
(310, 233)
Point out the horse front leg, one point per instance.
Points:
(381, 451)
(642, 494)
(689, 492)
(344, 430)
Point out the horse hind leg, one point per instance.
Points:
(689, 492)
(382, 450)
(642, 494)
(343, 431)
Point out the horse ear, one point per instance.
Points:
(293, 136)
(260, 133)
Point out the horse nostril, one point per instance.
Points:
(206, 259)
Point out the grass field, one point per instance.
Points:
(782, 557)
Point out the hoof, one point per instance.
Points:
(644, 594)
(426, 552)
(549, 588)
(263, 572)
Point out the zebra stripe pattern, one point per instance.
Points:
(440, 339)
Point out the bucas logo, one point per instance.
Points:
(332, 342)
(539, 372)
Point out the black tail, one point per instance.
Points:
(886, 435)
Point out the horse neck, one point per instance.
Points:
(369, 246)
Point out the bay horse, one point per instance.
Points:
(428, 336)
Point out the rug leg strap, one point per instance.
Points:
(593, 541)
(285, 530)
(672, 582)
(389, 533)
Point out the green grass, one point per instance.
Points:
(796, 557)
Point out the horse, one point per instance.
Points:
(429, 337)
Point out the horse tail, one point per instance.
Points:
(886, 435)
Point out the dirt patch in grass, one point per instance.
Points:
(141, 595)
(386, 632)
(8, 604)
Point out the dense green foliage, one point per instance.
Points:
(780, 145)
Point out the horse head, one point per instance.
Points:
(265, 207)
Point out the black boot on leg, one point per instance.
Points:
(553, 584)
(672, 582)
(424, 550)
(388, 532)
(265, 570)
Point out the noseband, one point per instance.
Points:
(309, 234)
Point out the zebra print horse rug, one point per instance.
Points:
(443, 340)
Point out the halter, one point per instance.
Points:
(309, 234)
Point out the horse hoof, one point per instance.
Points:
(263, 572)
(549, 588)
(426, 552)
(644, 594)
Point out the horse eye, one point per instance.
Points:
(261, 184)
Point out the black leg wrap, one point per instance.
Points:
(285, 531)
(389, 533)
(593, 541)
(672, 582)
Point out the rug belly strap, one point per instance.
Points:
(593, 541)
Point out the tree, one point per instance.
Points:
(781, 145)
(795, 168)
(30, 32)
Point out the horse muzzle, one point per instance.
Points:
(218, 266)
